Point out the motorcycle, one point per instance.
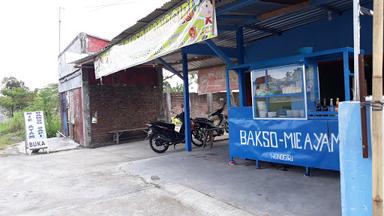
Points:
(206, 129)
(223, 119)
(161, 135)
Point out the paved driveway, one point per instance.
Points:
(129, 179)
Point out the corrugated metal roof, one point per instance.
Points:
(145, 21)
(154, 15)
(265, 23)
(273, 25)
(283, 22)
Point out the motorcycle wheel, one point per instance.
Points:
(158, 145)
(226, 127)
(198, 137)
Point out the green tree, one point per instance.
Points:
(47, 100)
(12, 82)
(179, 88)
(166, 86)
(15, 99)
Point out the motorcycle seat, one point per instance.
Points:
(165, 124)
(202, 120)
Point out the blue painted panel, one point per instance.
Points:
(203, 49)
(65, 124)
(308, 143)
(321, 35)
(355, 171)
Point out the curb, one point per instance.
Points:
(201, 203)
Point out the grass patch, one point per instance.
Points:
(10, 138)
(12, 131)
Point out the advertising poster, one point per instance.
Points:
(191, 22)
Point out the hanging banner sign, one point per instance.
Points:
(36, 136)
(191, 22)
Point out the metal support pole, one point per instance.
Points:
(240, 45)
(209, 102)
(168, 100)
(356, 52)
(169, 67)
(59, 30)
(347, 73)
(307, 172)
(258, 165)
(218, 52)
(240, 76)
(187, 121)
(240, 60)
(377, 113)
(228, 84)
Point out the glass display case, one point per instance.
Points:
(294, 114)
(279, 92)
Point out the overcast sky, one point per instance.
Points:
(30, 31)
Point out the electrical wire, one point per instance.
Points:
(100, 7)
(103, 6)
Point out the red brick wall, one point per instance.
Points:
(199, 104)
(125, 104)
(212, 80)
(176, 101)
(136, 76)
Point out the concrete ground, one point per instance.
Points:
(130, 179)
(56, 144)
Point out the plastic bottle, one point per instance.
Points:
(331, 107)
(337, 104)
(318, 106)
(325, 107)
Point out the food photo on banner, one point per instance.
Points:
(191, 22)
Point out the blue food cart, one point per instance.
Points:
(289, 121)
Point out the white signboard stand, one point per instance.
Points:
(36, 136)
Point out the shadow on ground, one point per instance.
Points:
(266, 191)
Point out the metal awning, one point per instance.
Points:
(240, 22)
(259, 19)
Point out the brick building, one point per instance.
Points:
(210, 95)
(201, 105)
(91, 108)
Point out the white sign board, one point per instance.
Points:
(36, 136)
